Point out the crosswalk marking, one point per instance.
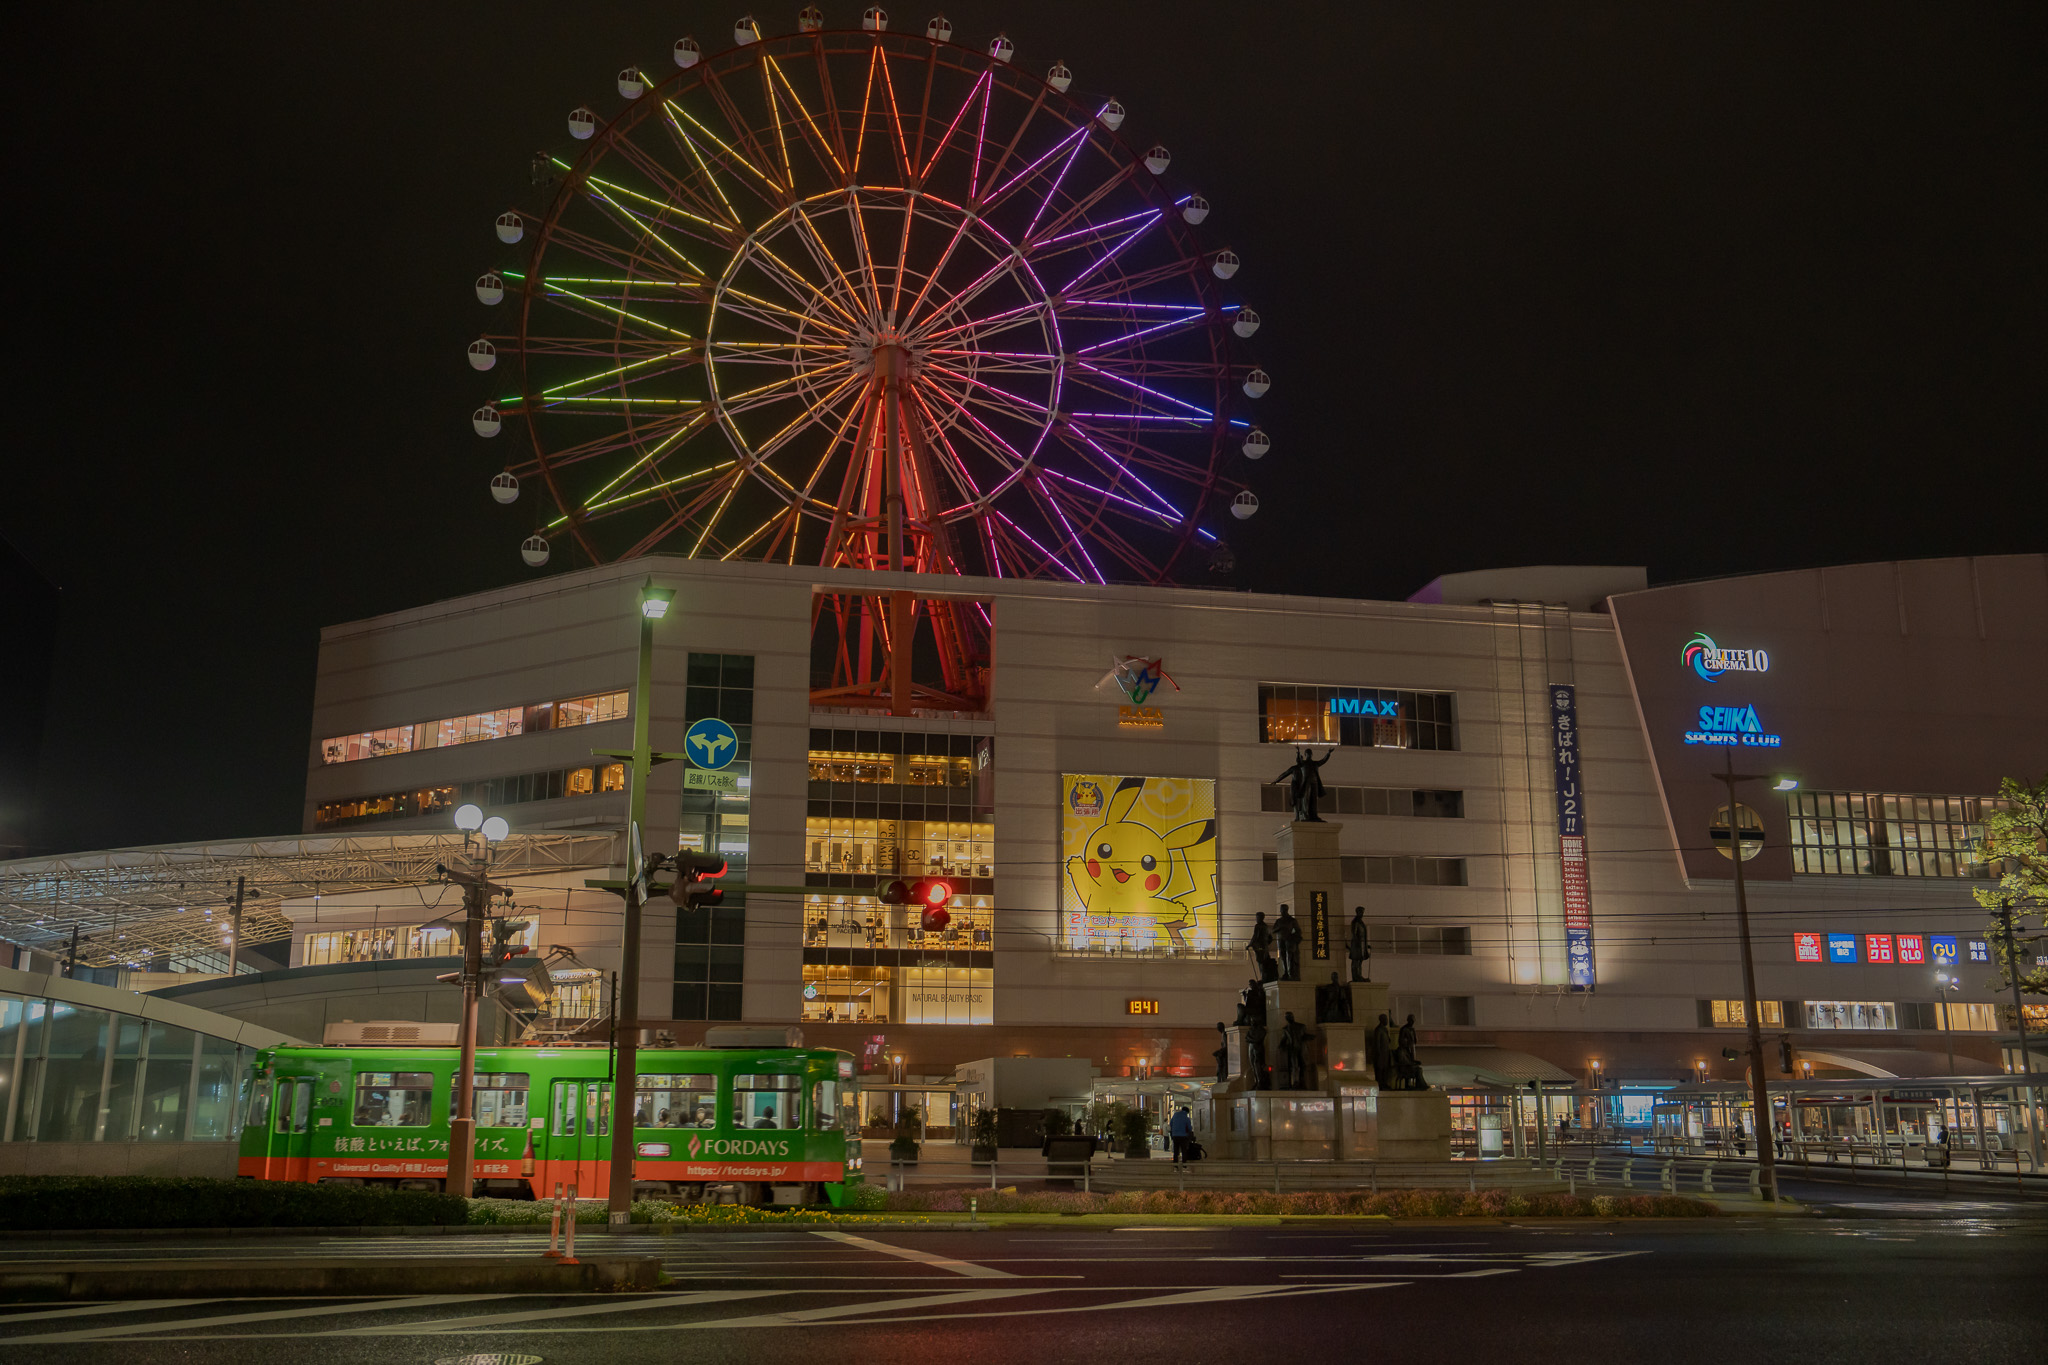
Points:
(237, 1319)
(798, 1317)
(488, 1320)
(87, 1310)
(958, 1267)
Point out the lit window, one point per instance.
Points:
(614, 778)
(676, 1102)
(499, 1099)
(394, 1099)
(580, 783)
(1731, 1014)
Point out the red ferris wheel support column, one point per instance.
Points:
(891, 362)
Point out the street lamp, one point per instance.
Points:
(653, 605)
(477, 891)
(1948, 985)
(1759, 1085)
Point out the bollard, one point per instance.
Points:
(569, 1247)
(555, 1225)
(973, 1212)
(1574, 1179)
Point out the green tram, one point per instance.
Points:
(779, 1123)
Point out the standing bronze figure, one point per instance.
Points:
(1222, 1054)
(1255, 1054)
(1260, 947)
(1251, 1003)
(1359, 948)
(1305, 783)
(1294, 1063)
(1383, 1055)
(1287, 936)
(1333, 1002)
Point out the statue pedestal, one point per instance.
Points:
(1312, 885)
(1414, 1125)
(1233, 1038)
(1276, 1125)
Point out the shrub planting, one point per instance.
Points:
(54, 1202)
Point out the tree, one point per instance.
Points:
(2016, 836)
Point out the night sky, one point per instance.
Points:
(1713, 288)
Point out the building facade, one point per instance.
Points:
(1523, 765)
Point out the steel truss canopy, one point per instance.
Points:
(131, 905)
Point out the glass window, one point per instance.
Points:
(499, 1100)
(259, 1108)
(74, 1043)
(676, 1102)
(213, 1097)
(591, 710)
(834, 1106)
(1304, 713)
(767, 1101)
(394, 1099)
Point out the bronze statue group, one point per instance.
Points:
(1275, 952)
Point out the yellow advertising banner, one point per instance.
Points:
(1138, 863)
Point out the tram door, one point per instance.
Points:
(292, 1137)
(580, 1129)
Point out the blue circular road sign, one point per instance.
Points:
(711, 744)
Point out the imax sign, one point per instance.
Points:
(1363, 706)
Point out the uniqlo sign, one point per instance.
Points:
(1878, 948)
(1912, 948)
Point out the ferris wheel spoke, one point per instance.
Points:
(989, 395)
(1165, 404)
(1110, 255)
(588, 304)
(827, 263)
(1082, 205)
(772, 317)
(1053, 531)
(1146, 456)
(1104, 352)
(828, 99)
(958, 235)
(618, 376)
(672, 124)
(761, 186)
(618, 503)
(757, 158)
(615, 440)
(771, 392)
(626, 261)
(901, 146)
(981, 89)
(1081, 237)
(637, 224)
(1080, 139)
(1119, 471)
(707, 230)
(863, 254)
(795, 285)
(1092, 516)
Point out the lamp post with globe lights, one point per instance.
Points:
(1736, 852)
(477, 891)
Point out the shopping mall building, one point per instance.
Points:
(1525, 766)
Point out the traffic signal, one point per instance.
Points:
(502, 948)
(931, 896)
(1729, 1054)
(692, 868)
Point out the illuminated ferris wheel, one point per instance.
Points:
(874, 300)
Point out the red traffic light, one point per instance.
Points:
(934, 893)
(928, 893)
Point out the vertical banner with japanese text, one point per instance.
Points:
(1571, 835)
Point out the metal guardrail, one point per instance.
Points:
(1670, 1175)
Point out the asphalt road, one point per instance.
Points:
(1861, 1290)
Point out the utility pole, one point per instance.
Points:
(235, 931)
(1759, 1089)
(476, 893)
(641, 759)
(2019, 1019)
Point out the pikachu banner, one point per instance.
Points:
(1139, 862)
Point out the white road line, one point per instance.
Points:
(958, 1267)
(1215, 1293)
(488, 1320)
(129, 1306)
(131, 1329)
(847, 1310)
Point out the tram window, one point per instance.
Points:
(394, 1099)
(676, 1102)
(833, 1106)
(565, 1109)
(500, 1099)
(259, 1110)
(767, 1101)
(294, 1106)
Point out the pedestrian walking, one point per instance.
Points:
(1181, 1128)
